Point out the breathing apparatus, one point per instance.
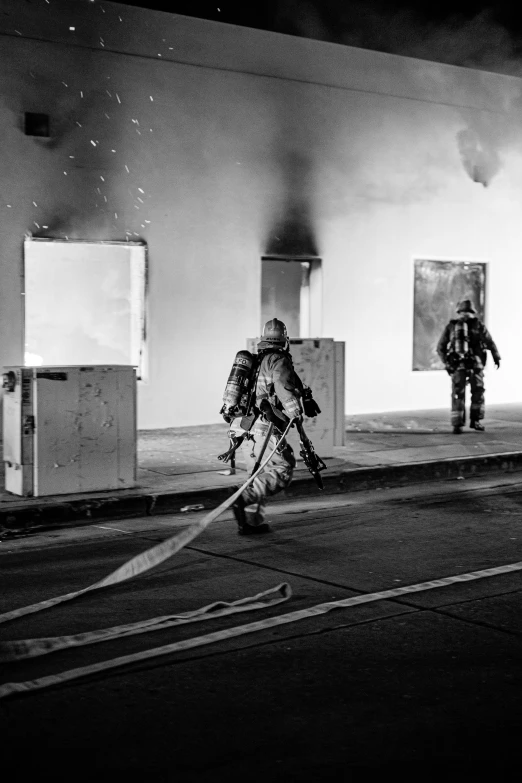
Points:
(239, 400)
(460, 355)
(237, 397)
(239, 394)
(461, 338)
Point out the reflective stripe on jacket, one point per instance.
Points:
(278, 383)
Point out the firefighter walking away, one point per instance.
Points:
(463, 350)
(263, 394)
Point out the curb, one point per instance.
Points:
(19, 520)
(403, 474)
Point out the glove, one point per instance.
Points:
(496, 359)
(311, 408)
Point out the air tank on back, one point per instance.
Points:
(237, 384)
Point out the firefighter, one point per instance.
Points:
(463, 350)
(278, 395)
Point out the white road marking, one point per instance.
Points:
(117, 529)
(11, 688)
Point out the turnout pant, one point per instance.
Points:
(275, 477)
(459, 378)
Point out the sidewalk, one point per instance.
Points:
(178, 467)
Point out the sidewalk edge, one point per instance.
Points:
(18, 520)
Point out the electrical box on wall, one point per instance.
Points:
(69, 429)
(320, 365)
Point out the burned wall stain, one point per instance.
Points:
(292, 232)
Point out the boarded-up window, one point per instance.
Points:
(438, 287)
(84, 303)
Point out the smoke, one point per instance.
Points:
(302, 18)
(477, 42)
(480, 160)
(473, 40)
(292, 233)
(480, 42)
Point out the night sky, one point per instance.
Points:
(462, 32)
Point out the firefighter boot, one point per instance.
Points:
(254, 530)
(238, 509)
(243, 528)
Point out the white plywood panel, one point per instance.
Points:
(314, 363)
(19, 479)
(18, 433)
(27, 431)
(12, 421)
(12, 437)
(57, 441)
(98, 423)
(126, 427)
(339, 394)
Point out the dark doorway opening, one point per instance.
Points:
(291, 290)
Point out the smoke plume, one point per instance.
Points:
(477, 42)
(481, 161)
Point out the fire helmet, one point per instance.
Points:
(275, 332)
(465, 306)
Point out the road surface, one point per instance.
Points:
(425, 681)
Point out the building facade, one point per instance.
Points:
(262, 175)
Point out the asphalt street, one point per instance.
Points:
(427, 681)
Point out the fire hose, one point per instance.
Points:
(27, 648)
(15, 650)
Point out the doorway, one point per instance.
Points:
(291, 290)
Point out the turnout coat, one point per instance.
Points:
(479, 342)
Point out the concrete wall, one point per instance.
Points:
(202, 137)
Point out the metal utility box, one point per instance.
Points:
(319, 362)
(69, 429)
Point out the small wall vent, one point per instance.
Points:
(36, 124)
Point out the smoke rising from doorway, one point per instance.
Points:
(292, 233)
